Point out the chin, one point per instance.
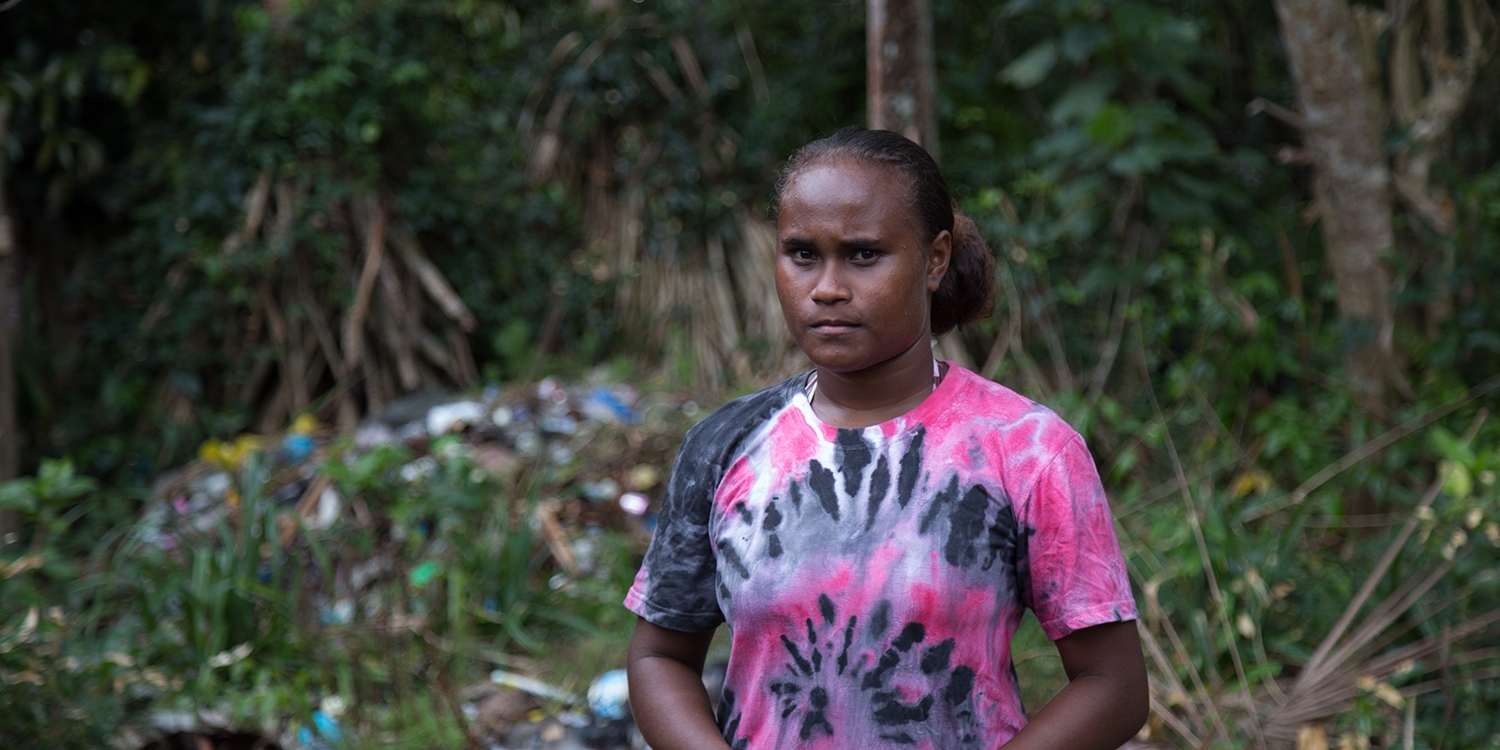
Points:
(848, 362)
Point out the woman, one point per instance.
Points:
(872, 530)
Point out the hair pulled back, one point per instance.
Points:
(967, 291)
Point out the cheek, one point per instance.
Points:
(786, 293)
(908, 291)
(783, 283)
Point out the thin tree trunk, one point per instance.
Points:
(901, 81)
(9, 440)
(899, 69)
(1342, 120)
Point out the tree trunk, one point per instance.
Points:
(899, 69)
(901, 78)
(9, 307)
(1342, 121)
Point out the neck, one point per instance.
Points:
(876, 394)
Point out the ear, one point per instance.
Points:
(938, 255)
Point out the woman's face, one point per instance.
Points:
(852, 271)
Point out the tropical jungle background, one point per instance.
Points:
(1250, 250)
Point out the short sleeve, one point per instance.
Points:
(675, 587)
(1077, 574)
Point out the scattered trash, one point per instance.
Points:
(595, 452)
(454, 417)
(603, 490)
(609, 695)
(324, 734)
(635, 503)
(424, 573)
(422, 468)
(296, 448)
(330, 502)
(603, 405)
(559, 424)
(534, 687)
(413, 406)
(502, 416)
(374, 434)
(496, 710)
(218, 739)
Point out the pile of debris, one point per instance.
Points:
(550, 426)
(596, 453)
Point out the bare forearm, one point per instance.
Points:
(671, 706)
(1106, 699)
(1091, 713)
(666, 689)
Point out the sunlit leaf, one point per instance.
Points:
(1031, 67)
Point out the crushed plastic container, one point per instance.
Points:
(454, 417)
(609, 695)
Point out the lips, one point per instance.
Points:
(831, 327)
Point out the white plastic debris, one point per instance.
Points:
(421, 468)
(502, 416)
(217, 484)
(603, 490)
(559, 424)
(329, 505)
(535, 687)
(453, 417)
(528, 443)
(635, 503)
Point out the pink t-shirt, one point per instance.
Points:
(872, 578)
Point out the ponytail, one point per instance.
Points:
(967, 292)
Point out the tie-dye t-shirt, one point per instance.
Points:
(872, 578)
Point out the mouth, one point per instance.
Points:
(833, 327)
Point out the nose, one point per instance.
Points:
(830, 287)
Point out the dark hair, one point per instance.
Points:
(967, 292)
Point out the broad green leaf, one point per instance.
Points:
(1452, 448)
(1457, 481)
(19, 494)
(1080, 102)
(1112, 125)
(1080, 41)
(1032, 66)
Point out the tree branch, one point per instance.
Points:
(1258, 105)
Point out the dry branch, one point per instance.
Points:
(354, 322)
(689, 64)
(394, 318)
(433, 281)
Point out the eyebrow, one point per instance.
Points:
(854, 243)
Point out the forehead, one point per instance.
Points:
(845, 190)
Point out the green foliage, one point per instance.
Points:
(434, 104)
(167, 619)
(1166, 291)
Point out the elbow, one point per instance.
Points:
(1139, 710)
(1135, 708)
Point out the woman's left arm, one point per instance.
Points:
(1106, 699)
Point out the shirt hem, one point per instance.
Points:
(1121, 611)
(672, 619)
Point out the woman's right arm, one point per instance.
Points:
(666, 688)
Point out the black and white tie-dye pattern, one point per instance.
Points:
(872, 579)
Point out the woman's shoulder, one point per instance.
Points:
(996, 407)
(728, 425)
